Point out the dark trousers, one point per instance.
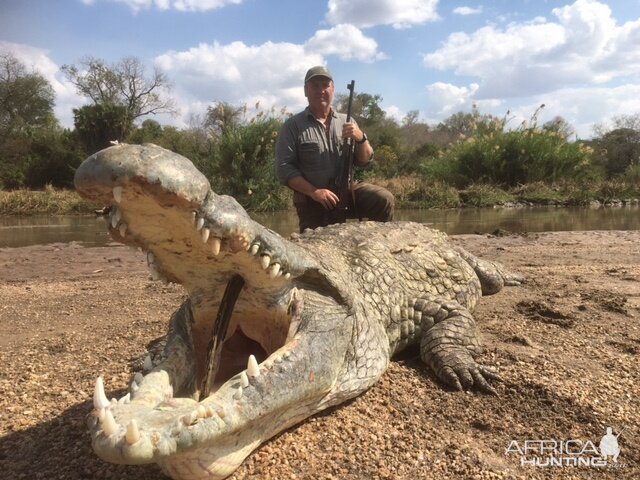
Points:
(371, 202)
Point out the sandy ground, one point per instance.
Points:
(567, 344)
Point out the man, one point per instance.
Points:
(309, 159)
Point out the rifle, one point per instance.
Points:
(344, 182)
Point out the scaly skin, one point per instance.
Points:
(323, 312)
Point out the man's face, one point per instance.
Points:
(319, 92)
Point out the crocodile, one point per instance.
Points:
(272, 330)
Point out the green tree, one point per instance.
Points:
(32, 146)
(97, 126)
(149, 132)
(26, 98)
(618, 150)
(365, 108)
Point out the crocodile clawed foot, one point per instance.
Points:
(459, 370)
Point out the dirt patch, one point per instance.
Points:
(68, 314)
(543, 312)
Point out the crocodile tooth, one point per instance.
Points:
(200, 223)
(265, 260)
(190, 418)
(138, 377)
(194, 217)
(151, 259)
(252, 367)
(238, 394)
(133, 434)
(244, 380)
(153, 269)
(210, 411)
(147, 364)
(202, 411)
(205, 235)
(114, 401)
(117, 194)
(274, 270)
(123, 229)
(101, 414)
(277, 359)
(115, 217)
(215, 245)
(287, 275)
(254, 249)
(109, 425)
(134, 387)
(125, 399)
(99, 398)
(176, 430)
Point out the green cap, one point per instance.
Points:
(318, 71)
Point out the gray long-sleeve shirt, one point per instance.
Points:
(305, 148)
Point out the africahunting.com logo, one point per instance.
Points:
(568, 453)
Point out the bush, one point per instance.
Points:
(243, 164)
(39, 158)
(539, 193)
(484, 195)
(492, 155)
(412, 192)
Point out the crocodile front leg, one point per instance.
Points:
(449, 344)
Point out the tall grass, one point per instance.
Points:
(47, 201)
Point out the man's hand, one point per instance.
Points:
(325, 197)
(351, 130)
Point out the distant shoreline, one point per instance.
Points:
(417, 195)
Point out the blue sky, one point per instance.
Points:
(580, 58)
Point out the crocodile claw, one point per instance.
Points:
(463, 373)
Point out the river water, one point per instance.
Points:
(20, 231)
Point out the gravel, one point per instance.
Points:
(566, 343)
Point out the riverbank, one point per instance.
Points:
(410, 193)
(566, 343)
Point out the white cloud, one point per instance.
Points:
(584, 46)
(272, 73)
(240, 74)
(347, 42)
(394, 112)
(445, 99)
(368, 13)
(467, 11)
(581, 107)
(180, 5)
(585, 107)
(36, 59)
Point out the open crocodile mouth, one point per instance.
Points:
(239, 292)
(235, 355)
